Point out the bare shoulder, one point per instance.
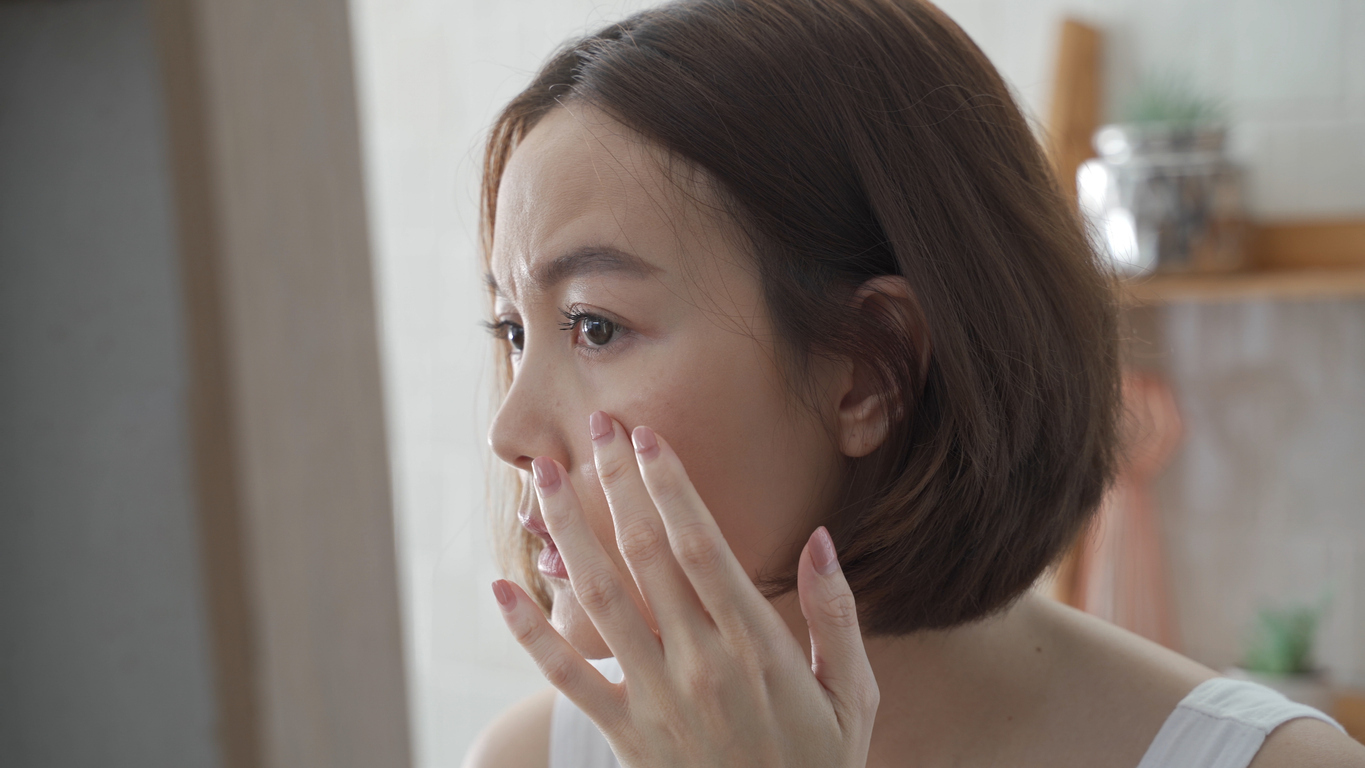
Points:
(519, 738)
(1109, 690)
(1118, 663)
(1109, 670)
(1306, 741)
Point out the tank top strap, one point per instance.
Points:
(575, 741)
(1222, 723)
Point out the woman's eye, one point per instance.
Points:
(598, 331)
(515, 335)
(509, 332)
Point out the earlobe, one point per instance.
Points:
(862, 423)
(865, 410)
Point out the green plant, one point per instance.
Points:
(1281, 640)
(1172, 99)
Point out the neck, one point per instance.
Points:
(949, 694)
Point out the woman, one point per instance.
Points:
(810, 375)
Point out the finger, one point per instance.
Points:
(640, 532)
(596, 581)
(564, 667)
(701, 550)
(838, 655)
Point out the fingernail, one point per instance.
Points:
(599, 427)
(822, 554)
(506, 597)
(547, 476)
(646, 445)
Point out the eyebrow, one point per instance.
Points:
(589, 260)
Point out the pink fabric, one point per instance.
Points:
(1121, 573)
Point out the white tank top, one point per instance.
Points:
(1220, 724)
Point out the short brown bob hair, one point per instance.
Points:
(851, 139)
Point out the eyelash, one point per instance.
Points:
(498, 329)
(572, 319)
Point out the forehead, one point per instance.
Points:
(579, 180)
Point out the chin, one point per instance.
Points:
(568, 617)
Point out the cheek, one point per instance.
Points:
(761, 464)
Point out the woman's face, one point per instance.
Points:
(627, 295)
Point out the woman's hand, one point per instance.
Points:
(723, 682)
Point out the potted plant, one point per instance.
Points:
(1279, 654)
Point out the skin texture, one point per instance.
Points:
(763, 463)
(1037, 685)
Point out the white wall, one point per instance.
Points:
(103, 638)
(434, 72)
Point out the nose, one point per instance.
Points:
(529, 421)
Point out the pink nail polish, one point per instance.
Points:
(646, 445)
(506, 597)
(547, 475)
(822, 554)
(600, 429)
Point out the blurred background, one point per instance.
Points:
(243, 391)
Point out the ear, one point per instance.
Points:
(863, 410)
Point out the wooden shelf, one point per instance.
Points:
(1284, 284)
(1295, 261)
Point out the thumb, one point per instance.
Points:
(838, 656)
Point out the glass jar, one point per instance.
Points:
(1163, 197)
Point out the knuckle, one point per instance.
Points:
(749, 644)
(641, 543)
(556, 516)
(869, 697)
(596, 591)
(874, 697)
(698, 551)
(612, 471)
(745, 642)
(702, 684)
(526, 632)
(559, 672)
(841, 611)
(667, 488)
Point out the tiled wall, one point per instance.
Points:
(1265, 500)
(1291, 72)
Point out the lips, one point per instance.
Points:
(550, 563)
